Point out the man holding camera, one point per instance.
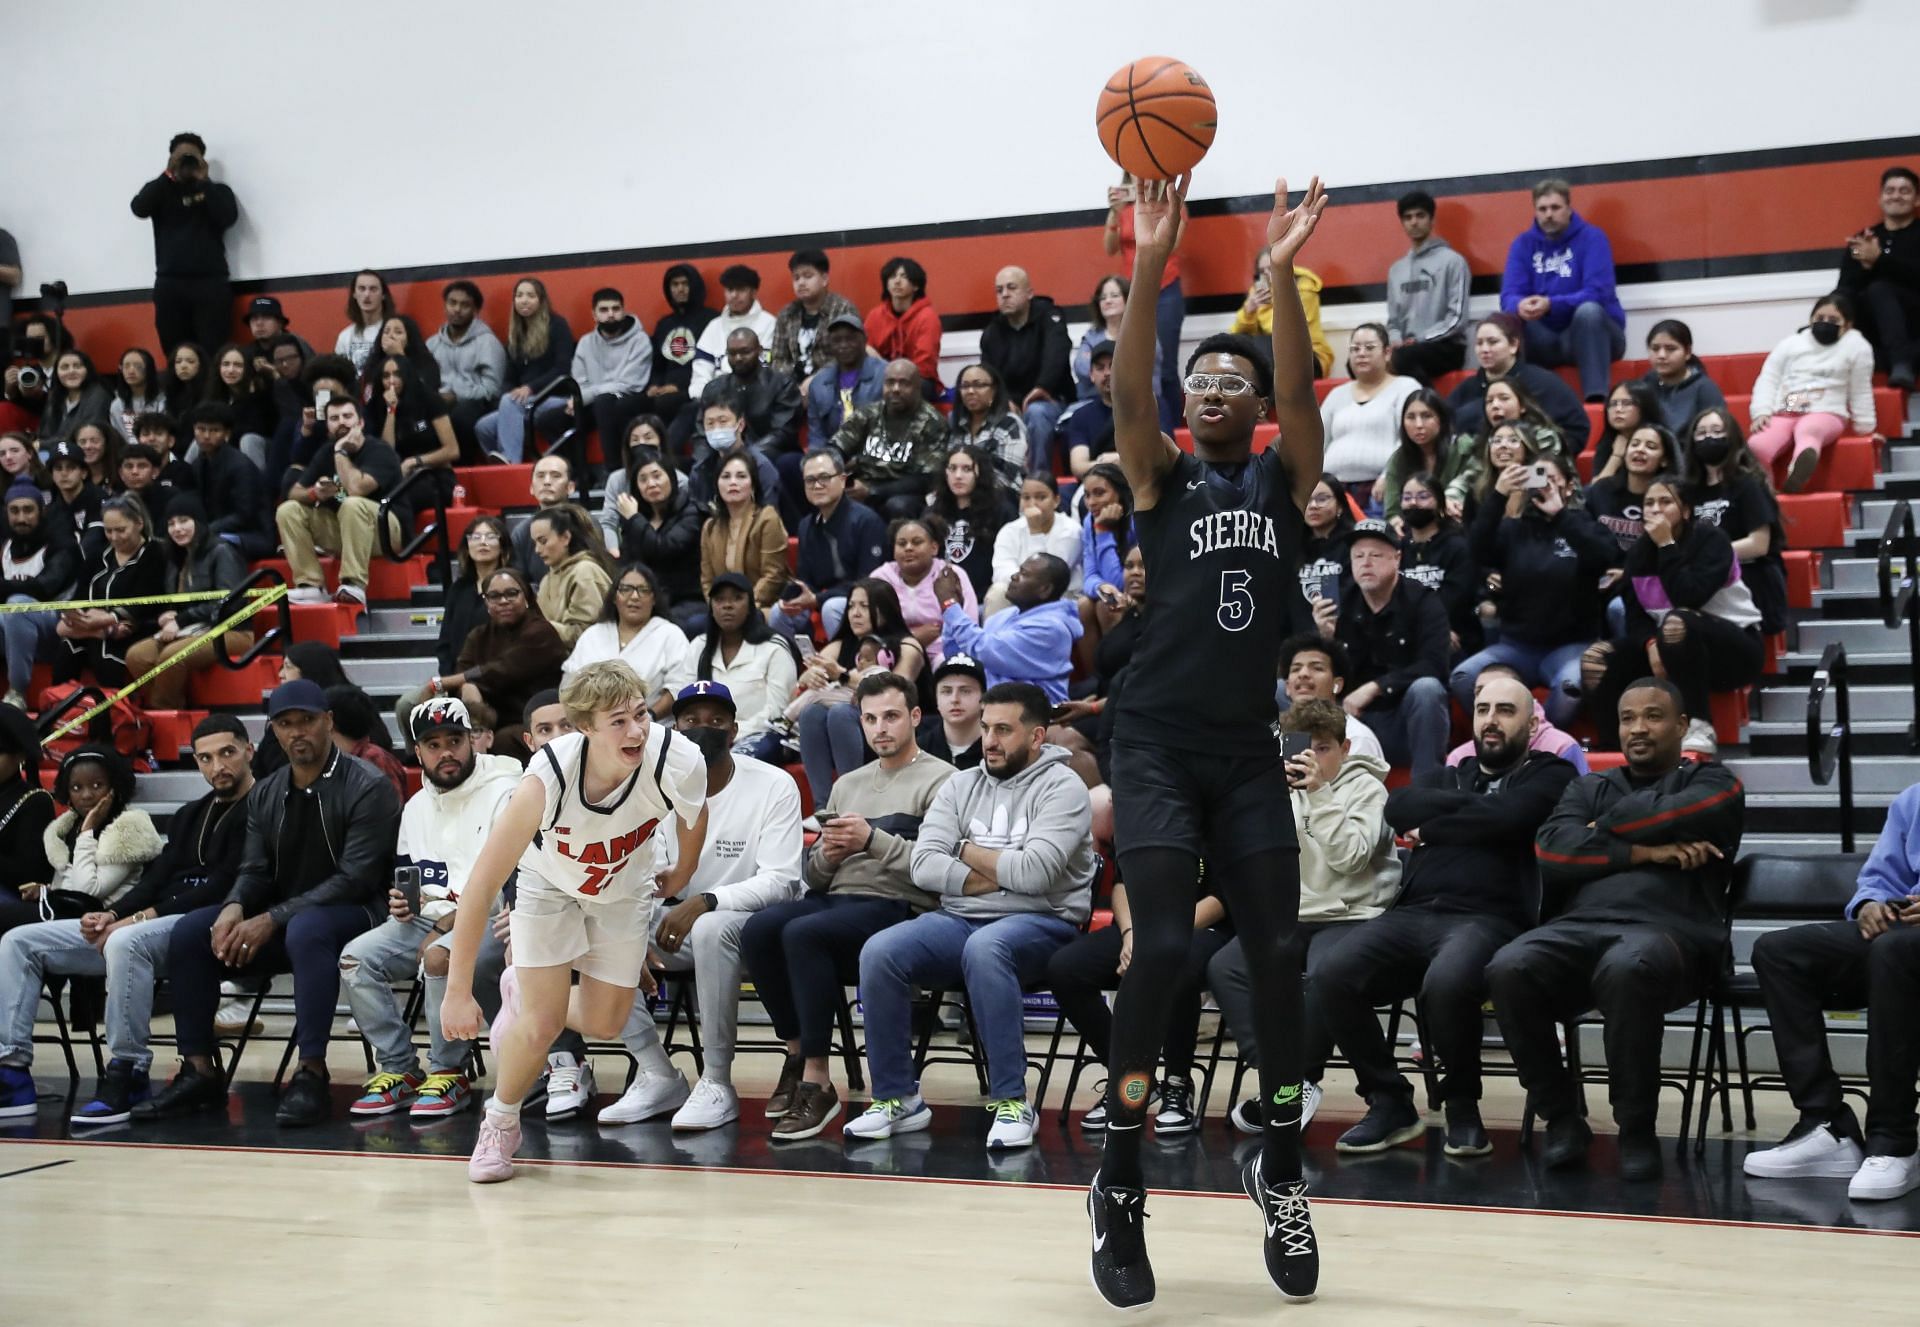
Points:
(191, 215)
(335, 505)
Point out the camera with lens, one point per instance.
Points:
(32, 378)
(53, 296)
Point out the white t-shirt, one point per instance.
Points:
(1364, 742)
(1361, 435)
(654, 652)
(761, 679)
(584, 849)
(752, 853)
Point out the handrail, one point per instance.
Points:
(571, 443)
(1895, 605)
(1830, 747)
(84, 698)
(280, 634)
(437, 531)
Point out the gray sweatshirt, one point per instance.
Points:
(622, 364)
(1041, 823)
(474, 368)
(1427, 293)
(894, 804)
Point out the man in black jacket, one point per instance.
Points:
(1881, 270)
(1027, 342)
(1638, 861)
(675, 338)
(1397, 637)
(314, 874)
(38, 568)
(232, 486)
(1470, 887)
(191, 216)
(840, 542)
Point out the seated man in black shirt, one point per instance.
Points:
(1397, 637)
(335, 505)
(952, 730)
(1637, 861)
(232, 486)
(1881, 270)
(1470, 886)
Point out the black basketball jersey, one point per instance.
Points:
(1222, 571)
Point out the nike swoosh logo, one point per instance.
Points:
(1100, 1241)
(1192, 484)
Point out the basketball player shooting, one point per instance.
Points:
(1196, 767)
(580, 829)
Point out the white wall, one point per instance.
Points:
(400, 134)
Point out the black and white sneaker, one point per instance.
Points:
(1119, 1266)
(1248, 1116)
(1293, 1254)
(1095, 1120)
(1176, 1115)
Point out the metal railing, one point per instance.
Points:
(1830, 746)
(572, 443)
(437, 531)
(275, 638)
(1900, 603)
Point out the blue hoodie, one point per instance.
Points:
(1572, 268)
(1892, 873)
(1019, 644)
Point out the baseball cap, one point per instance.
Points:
(442, 714)
(960, 663)
(267, 304)
(731, 580)
(716, 692)
(302, 694)
(847, 319)
(68, 451)
(1376, 530)
(1104, 350)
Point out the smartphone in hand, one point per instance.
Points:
(406, 879)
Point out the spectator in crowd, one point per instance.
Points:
(199, 563)
(647, 433)
(797, 347)
(750, 861)
(1040, 527)
(191, 215)
(1348, 874)
(409, 416)
(854, 381)
(660, 526)
(1678, 378)
(187, 378)
(740, 285)
(904, 324)
(233, 488)
(634, 627)
(359, 731)
(968, 498)
(1425, 444)
(984, 418)
(801, 955)
(756, 664)
(75, 397)
(1502, 442)
(26, 809)
(1106, 531)
(319, 853)
(267, 323)
(442, 828)
(612, 368)
(1728, 487)
(97, 448)
(1170, 307)
(94, 850)
(552, 485)
(29, 370)
(1397, 635)
(674, 339)
(95, 641)
(1088, 425)
(1026, 342)
(162, 434)
(335, 505)
(136, 389)
(574, 590)
(1496, 345)
(840, 543)
(744, 535)
(540, 352)
(126, 939)
(1543, 736)
(915, 571)
(1880, 270)
(1329, 520)
(1105, 309)
(1816, 386)
(36, 566)
(1864, 961)
(1315, 667)
(1640, 857)
(400, 336)
(318, 663)
(75, 508)
(1630, 406)
(1471, 886)
(511, 656)
(1006, 849)
(1427, 289)
(544, 719)
(369, 305)
(19, 460)
(473, 363)
(894, 448)
(1254, 317)
(1550, 557)
(1559, 283)
(831, 744)
(1086, 726)
(1362, 417)
(1032, 642)
(140, 477)
(482, 551)
(242, 388)
(323, 379)
(1687, 606)
(1614, 499)
(723, 416)
(771, 397)
(953, 731)
(1434, 554)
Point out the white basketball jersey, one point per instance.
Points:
(596, 850)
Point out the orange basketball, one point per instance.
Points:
(1156, 118)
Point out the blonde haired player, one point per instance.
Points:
(580, 829)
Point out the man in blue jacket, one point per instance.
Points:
(853, 382)
(1872, 958)
(1559, 283)
(840, 542)
(1031, 641)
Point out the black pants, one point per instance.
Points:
(308, 946)
(1232, 987)
(464, 415)
(1713, 655)
(1439, 957)
(1810, 969)
(197, 309)
(1634, 975)
(1427, 360)
(612, 412)
(1082, 971)
(1892, 313)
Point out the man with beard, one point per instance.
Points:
(473, 363)
(441, 831)
(613, 367)
(894, 447)
(1470, 886)
(749, 861)
(37, 569)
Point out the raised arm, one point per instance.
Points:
(1302, 436)
(1146, 454)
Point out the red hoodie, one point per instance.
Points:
(913, 335)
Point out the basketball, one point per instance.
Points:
(1156, 118)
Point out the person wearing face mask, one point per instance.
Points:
(1435, 554)
(1727, 487)
(1815, 386)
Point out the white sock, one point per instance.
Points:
(653, 1059)
(498, 1107)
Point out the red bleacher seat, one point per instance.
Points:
(1729, 714)
(173, 731)
(323, 623)
(458, 519)
(1323, 387)
(386, 579)
(1803, 575)
(493, 487)
(1583, 464)
(799, 775)
(1889, 411)
(235, 688)
(1815, 520)
(1446, 382)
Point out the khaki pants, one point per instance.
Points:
(169, 690)
(346, 530)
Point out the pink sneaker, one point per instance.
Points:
(492, 1159)
(509, 1009)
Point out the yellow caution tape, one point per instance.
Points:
(136, 601)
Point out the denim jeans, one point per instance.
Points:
(1591, 342)
(831, 744)
(308, 946)
(505, 430)
(390, 952)
(1413, 730)
(27, 635)
(712, 951)
(995, 957)
(1555, 667)
(798, 954)
(133, 953)
(1041, 419)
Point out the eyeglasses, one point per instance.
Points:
(821, 481)
(1227, 384)
(501, 596)
(633, 591)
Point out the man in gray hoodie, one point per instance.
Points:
(613, 367)
(473, 363)
(1426, 297)
(1008, 848)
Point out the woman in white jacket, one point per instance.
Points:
(99, 846)
(1042, 528)
(1814, 385)
(634, 627)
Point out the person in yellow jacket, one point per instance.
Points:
(1255, 316)
(574, 590)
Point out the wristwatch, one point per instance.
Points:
(712, 901)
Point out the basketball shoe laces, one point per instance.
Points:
(1292, 1221)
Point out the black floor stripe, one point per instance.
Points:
(28, 1170)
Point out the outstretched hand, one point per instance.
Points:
(1289, 227)
(1159, 213)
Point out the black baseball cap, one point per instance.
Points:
(267, 304)
(960, 663)
(848, 319)
(1375, 530)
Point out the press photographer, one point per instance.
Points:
(190, 215)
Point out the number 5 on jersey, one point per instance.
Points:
(1236, 600)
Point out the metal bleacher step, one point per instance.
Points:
(1870, 704)
(1817, 812)
(1881, 775)
(1867, 666)
(1862, 635)
(1871, 737)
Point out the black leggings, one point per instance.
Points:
(1079, 974)
(1262, 892)
(1710, 655)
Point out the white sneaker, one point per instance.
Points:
(350, 595)
(1880, 1178)
(1819, 1153)
(230, 1019)
(309, 594)
(1013, 1123)
(569, 1086)
(1309, 1104)
(651, 1096)
(884, 1119)
(1700, 738)
(711, 1105)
